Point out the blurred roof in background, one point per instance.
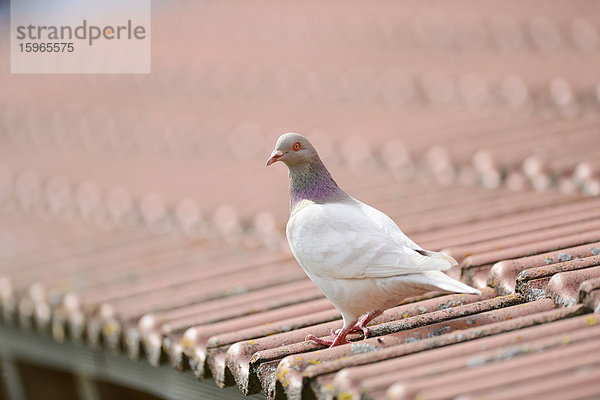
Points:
(138, 214)
(376, 83)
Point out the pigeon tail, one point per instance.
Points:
(426, 260)
(441, 281)
(439, 256)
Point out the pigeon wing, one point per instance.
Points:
(342, 241)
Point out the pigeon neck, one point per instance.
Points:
(312, 182)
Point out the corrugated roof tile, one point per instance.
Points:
(503, 275)
(476, 267)
(186, 292)
(291, 369)
(534, 282)
(566, 358)
(245, 356)
(465, 358)
(563, 287)
(153, 327)
(380, 371)
(506, 226)
(589, 294)
(223, 333)
(577, 384)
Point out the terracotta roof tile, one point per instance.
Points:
(246, 357)
(479, 351)
(290, 369)
(171, 324)
(564, 286)
(491, 377)
(516, 239)
(253, 337)
(533, 283)
(505, 227)
(589, 294)
(503, 275)
(476, 267)
(470, 341)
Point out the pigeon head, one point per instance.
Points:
(293, 149)
(309, 179)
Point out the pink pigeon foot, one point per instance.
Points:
(340, 338)
(361, 325)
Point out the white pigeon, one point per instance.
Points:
(356, 255)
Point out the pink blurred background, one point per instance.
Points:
(465, 92)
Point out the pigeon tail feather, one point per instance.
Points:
(439, 256)
(443, 282)
(425, 260)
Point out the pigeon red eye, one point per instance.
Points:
(296, 146)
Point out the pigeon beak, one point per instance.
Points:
(275, 155)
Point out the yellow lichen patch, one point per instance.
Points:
(109, 329)
(254, 358)
(345, 396)
(314, 361)
(329, 387)
(252, 342)
(281, 377)
(567, 339)
(186, 343)
(590, 320)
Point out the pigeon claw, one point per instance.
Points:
(355, 328)
(361, 325)
(366, 332)
(337, 340)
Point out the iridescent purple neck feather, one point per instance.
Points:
(313, 182)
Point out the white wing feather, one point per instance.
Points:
(351, 240)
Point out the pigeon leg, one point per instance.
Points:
(364, 320)
(361, 325)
